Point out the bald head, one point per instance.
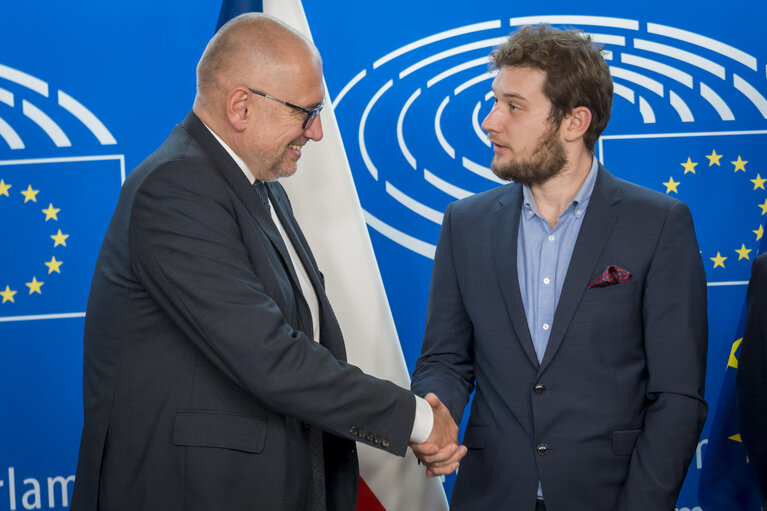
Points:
(259, 88)
(252, 48)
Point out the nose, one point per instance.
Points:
(314, 130)
(489, 123)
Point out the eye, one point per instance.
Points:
(513, 107)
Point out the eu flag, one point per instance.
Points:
(727, 482)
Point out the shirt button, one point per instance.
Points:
(551, 237)
(542, 449)
(578, 212)
(539, 389)
(545, 326)
(546, 280)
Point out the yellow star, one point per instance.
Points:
(8, 295)
(718, 260)
(758, 182)
(763, 206)
(689, 166)
(61, 239)
(736, 438)
(4, 188)
(30, 194)
(50, 212)
(671, 185)
(739, 164)
(743, 252)
(713, 158)
(759, 232)
(54, 265)
(34, 286)
(733, 360)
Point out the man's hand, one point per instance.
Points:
(440, 452)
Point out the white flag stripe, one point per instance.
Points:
(325, 203)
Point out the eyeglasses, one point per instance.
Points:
(310, 114)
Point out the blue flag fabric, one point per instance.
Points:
(232, 8)
(727, 482)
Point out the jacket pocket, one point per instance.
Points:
(624, 441)
(475, 437)
(201, 428)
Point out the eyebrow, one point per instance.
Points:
(512, 95)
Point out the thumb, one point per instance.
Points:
(432, 399)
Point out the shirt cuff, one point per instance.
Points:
(423, 423)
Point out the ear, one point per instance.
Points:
(238, 110)
(576, 123)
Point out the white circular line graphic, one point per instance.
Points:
(423, 105)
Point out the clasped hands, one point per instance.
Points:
(440, 453)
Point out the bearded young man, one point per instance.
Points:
(572, 301)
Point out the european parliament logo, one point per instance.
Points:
(59, 182)
(413, 119)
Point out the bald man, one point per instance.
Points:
(215, 374)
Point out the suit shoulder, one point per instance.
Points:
(482, 201)
(759, 268)
(179, 160)
(634, 192)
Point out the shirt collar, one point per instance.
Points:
(580, 201)
(239, 161)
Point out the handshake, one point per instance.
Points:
(440, 453)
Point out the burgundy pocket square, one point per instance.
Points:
(611, 276)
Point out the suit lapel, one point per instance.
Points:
(504, 231)
(226, 166)
(600, 218)
(330, 336)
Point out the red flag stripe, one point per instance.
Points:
(366, 500)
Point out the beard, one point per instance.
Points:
(548, 160)
(273, 165)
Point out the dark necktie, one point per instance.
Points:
(315, 434)
(263, 194)
(318, 470)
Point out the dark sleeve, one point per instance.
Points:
(187, 250)
(676, 340)
(446, 364)
(751, 377)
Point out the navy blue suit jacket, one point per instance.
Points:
(611, 417)
(201, 380)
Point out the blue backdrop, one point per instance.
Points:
(88, 89)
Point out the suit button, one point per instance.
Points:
(385, 442)
(354, 430)
(540, 389)
(542, 449)
(369, 437)
(377, 441)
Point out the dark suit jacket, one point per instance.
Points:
(610, 419)
(201, 380)
(751, 379)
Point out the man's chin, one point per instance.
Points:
(500, 171)
(286, 171)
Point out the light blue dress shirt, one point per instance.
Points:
(543, 256)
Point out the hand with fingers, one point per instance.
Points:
(440, 453)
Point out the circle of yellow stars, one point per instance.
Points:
(738, 165)
(59, 239)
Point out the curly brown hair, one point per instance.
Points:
(576, 73)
